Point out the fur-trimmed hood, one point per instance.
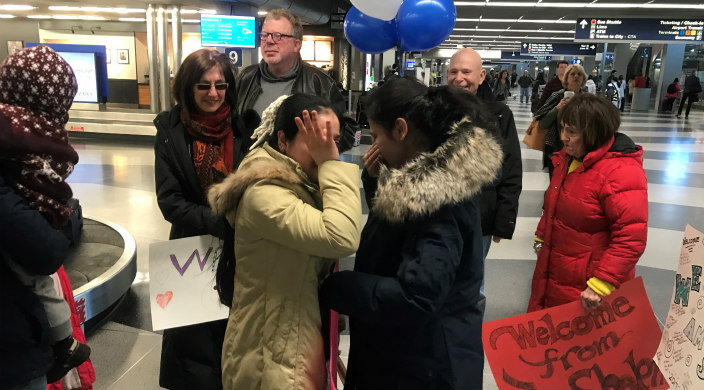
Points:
(263, 163)
(454, 172)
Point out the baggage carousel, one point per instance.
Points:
(101, 267)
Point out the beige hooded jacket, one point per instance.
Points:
(287, 230)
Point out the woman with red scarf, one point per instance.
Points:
(198, 143)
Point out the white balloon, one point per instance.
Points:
(380, 9)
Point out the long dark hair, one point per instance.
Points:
(193, 68)
(431, 110)
(292, 107)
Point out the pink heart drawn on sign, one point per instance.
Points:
(164, 299)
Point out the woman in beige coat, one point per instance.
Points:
(294, 207)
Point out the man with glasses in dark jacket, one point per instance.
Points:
(283, 72)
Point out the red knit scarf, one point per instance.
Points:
(213, 144)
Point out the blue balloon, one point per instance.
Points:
(424, 24)
(369, 35)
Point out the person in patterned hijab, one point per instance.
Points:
(37, 88)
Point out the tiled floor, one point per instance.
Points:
(115, 181)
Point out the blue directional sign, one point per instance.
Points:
(564, 49)
(638, 30)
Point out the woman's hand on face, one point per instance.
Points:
(320, 141)
(590, 299)
(372, 159)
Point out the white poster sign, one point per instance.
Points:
(680, 355)
(182, 282)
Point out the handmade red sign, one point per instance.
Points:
(566, 347)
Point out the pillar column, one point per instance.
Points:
(152, 56)
(163, 48)
(176, 37)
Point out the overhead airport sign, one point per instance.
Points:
(560, 49)
(638, 30)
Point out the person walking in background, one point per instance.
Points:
(283, 72)
(555, 84)
(198, 143)
(538, 86)
(498, 201)
(673, 90)
(413, 297)
(525, 82)
(595, 218)
(502, 87)
(294, 208)
(692, 88)
(614, 91)
(591, 86)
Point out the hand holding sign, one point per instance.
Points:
(565, 347)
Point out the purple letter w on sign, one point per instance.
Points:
(201, 263)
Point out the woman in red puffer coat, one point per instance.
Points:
(595, 219)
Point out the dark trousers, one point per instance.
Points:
(691, 97)
(669, 101)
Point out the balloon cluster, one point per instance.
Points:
(375, 26)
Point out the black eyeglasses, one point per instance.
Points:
(207, 86)
(274, 36)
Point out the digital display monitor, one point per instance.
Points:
(411, 64)
(227, 30)
(83, 65)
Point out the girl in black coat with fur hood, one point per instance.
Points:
(413, 297)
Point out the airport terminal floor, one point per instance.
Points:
(114, 180)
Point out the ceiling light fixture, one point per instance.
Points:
(77, 17)
(207, 12)
(132, 19)
(15, 7)
(96, 9)
(262, 13)
(521, 38)
(541, 21)
(512, 30)
(6, 16)
(39, 16)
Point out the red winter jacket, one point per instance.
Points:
(594, 223)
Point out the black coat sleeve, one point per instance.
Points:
(348, 126)
(508, 188)
(198, 219)
(28, 237)
(425, 277)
